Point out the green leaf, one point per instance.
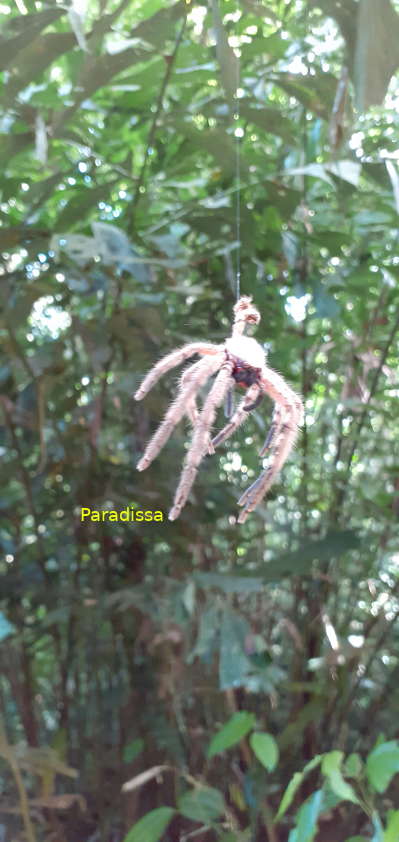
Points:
(312, 170)
(132, 750)
(218, 144)
(208, 631)
(237, 727)
(289, 794)
(392, 830)
(347, 170)
(353, 766)
(332, 546)
(357, 839)
(331, 768)
(37, 55)
(382, 764)
(79, 204)
(203, 804)
(151, 827)
(269, 119)
(307, 818)
(317, 94)
(294, 785)
(265, 748)
(30, 26)
(234, 664)
(158, 28)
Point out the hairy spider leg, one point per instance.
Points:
(192, 411)
(274, 432)
(291, 405)
(239, 416)
(229, 404)
(255, 493)
(170, 361)
(191, 406)
(202, 371)
(275, 439)
(199, 444)
(282, 447)
(255, 403)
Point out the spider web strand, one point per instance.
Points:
(238, 173)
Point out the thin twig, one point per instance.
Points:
(305, 437)
(364, 414)
(154, 125)
(361, 676)
(26, 482)
(40, 397)
(27, 485)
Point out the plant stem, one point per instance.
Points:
(8, 752)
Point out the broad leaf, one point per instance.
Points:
(234, 664)
(152, 826)
(357, 839)
(294, 785)
(307, 818)
(203, 804)
(30, 26)
(382, 764)
(265, 748)
(132, 750)
(325, 549)
(353, 766)
(240, 724)
(392, 829)
(331, 768)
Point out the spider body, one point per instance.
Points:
(239, 360)
(248, 360)
(243, 374)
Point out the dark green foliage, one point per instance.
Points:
(219, 659)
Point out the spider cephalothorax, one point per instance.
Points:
(239, 360)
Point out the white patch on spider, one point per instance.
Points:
(248, 350)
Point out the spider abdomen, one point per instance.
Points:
(244, 375)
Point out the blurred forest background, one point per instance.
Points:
(204, 665)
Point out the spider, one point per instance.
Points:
(239, 360)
